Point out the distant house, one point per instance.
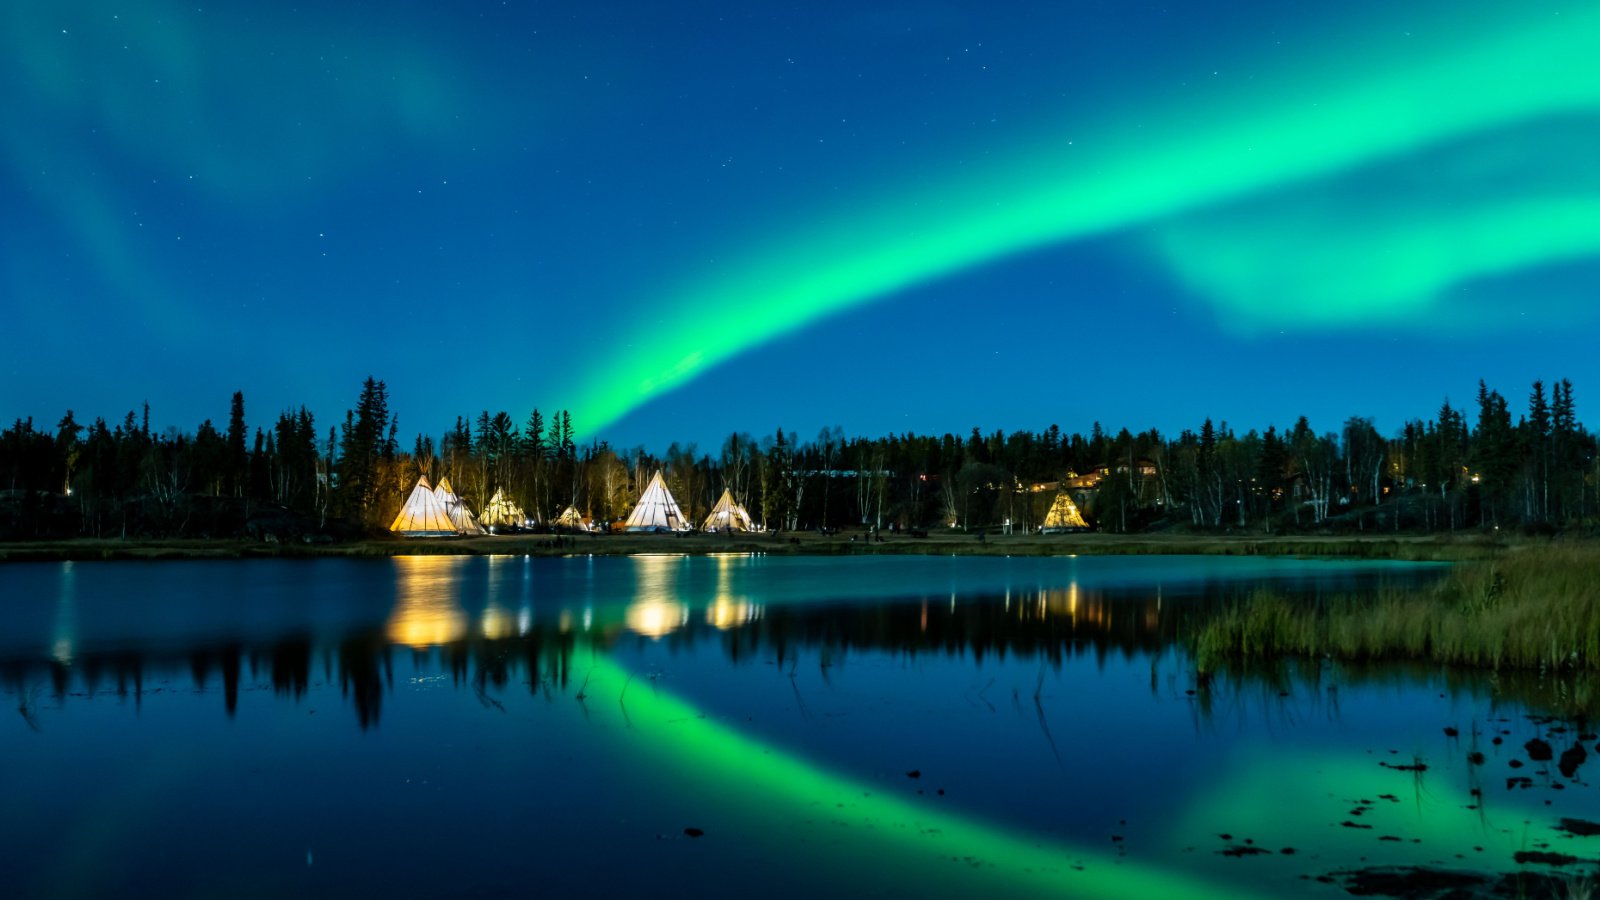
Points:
(1086, 482)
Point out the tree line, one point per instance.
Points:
(1459, 469)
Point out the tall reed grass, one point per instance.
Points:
(1533, 607)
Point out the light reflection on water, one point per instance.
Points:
(730, 608)
(66, 626)
(349, 610)
(655, 610)
(427, 609)
(1052, 697)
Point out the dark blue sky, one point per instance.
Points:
(684, 219)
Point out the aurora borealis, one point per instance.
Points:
(660, 218)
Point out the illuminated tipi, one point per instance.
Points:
(570, 518)
(656, 510)
(728, 516)
(500, 512)
(1063, 515)
(459, 514)
(423, 515)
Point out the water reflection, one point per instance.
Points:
(1054, 628)
(497, 622)
(505, 581)
(516, 702)
(66, 624)
(655, 611)
(495, 625)
(728, 609)
(535, 646)
(656, 617)
(291, 666)
(365, 670)
(427, 609)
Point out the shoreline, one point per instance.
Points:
(1398, 547)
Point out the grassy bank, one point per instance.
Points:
(1530, 607)
(1429, 547)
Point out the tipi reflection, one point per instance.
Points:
(655, 610)
(726, 609)
(427, 609)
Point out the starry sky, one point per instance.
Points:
(682, 219)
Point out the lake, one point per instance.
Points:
(736, 726)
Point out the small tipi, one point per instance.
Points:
(571, 519)
(656, 510)
(500, 512)
(423, 515)
(459, 514)
(728, 516)
(1063, 515)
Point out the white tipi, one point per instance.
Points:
(1063, 515)
(423, 515)
(728, 516)
(570, 518)
(500, 512)
(656, 510)
(459, 514)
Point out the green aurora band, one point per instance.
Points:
(1262, 272)
(1363, 110)
(1270, 794)
(895, 835)
(1266, 795)
(1398, 236)
(164, 88)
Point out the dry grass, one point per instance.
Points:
(1532, 607)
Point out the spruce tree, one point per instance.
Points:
(238, 455)
(363, 444)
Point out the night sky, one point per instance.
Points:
(681, 219)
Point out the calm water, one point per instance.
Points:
(727, 726)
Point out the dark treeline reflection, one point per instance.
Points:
(361, 664)
(1052, 626)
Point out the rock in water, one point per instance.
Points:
(1579, 827)
(1571, 759)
